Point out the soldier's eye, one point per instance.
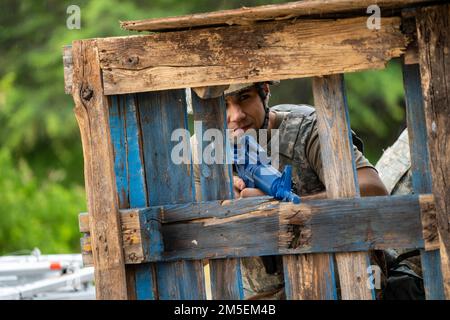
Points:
(244, 97)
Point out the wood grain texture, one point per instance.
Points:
(141, 235)
(215, 184)
(241, 54)
(91, 111)
(283, 228)
(131, 188)
(433, 32)
(68, 69)
(246, 15)
(339, 171)
(317, 274)
(169, 183)
(421, 177)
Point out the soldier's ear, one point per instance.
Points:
(266, 88)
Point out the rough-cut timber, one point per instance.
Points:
(215, 184)
(433, 31)
(132, 190)
(245, 16)
(68, 69)
(267, 51)
(168, 182)
(284, 228)
(91, 110)
(339, 171)
(421, 175)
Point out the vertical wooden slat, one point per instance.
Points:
(226, 280)
(130, 180)
(309, 277)
(168, 183)
(340, 174)
(91, 110)
(420, 168)
(433, 37)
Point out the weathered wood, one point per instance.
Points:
(167, 183)
(86, 250)
(68, 69)
(340, 174)
(227, 55)
(421, 176)
(433, 32)
(218, 209)
(141, 235)
(131, 188)
(245, 15)
(315, 278)
(215, 183)
(284, 228)
(200, 210)
(409, 28)
(91, 110)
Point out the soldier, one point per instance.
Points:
(247, 108)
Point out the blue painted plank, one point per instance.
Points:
(125, 136)
(117, 127)
(355, 174)
(421, 176)
(136, 178)
(160, 114)
(216, 184)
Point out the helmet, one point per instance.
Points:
(235, 88)
(217, 91)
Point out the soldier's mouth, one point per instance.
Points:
(245, 128)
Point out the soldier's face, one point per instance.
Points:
(245, 110)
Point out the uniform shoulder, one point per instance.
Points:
(291, 113)
(298, 109)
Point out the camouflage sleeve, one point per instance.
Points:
(313, 152)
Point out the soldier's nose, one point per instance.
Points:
(235, 113)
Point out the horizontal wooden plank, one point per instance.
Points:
(245, 15)
(272, 228)
(141, 234)
(236, 54)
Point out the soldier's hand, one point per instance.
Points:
(240, 191)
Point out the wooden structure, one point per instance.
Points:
(146, 235)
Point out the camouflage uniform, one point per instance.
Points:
(299, 147)
(394, 167)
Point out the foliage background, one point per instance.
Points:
(41, 166)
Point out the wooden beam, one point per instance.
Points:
(132, 192)
(68, 69)
(339, 171)
(227, 55)
(245, 15)
(433, 31)
(91, 111)
(322, 226)
(421, 175)
(167, 182)
(215, 183)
